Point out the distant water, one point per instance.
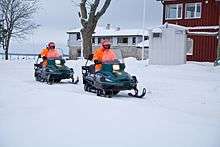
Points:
(35, 48)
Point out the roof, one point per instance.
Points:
(102, 31)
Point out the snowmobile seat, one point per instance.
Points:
(92, 69)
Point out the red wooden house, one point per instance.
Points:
(202, 18)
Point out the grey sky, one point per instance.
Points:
(56, 17)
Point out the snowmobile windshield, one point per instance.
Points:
(55, 54)
(118, 59)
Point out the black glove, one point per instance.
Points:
(39, 55)
(97, 62)
(44, 58)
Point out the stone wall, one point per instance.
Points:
(127, 51)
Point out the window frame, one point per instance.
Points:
(190, 50)
(196, 8)
(78, 36)
(134, 40)
(109, 38)
(119, 39)
(177, 11)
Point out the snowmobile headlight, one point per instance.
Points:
(57, 62)
(116, 67)
(50, 70)
(108, 80)
(105, 79)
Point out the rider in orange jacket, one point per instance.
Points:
(103, 54)
(49, 52)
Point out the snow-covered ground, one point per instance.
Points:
(181, 109)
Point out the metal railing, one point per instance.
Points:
(22, 56)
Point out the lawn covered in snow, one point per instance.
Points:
(181, 109)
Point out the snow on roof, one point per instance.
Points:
(157, 30)
(190, 28)
(102, 31)
(204, 33)
(77, 30)
(203, 27)
(178, 27)
(168, 25)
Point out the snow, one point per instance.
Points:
(204, 33)
(157, 30)
(203, 27)
(189, 28)
(181, 108)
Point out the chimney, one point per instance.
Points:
(108, 26)
(118, 29)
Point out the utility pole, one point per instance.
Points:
(218, 49)
(143, 21)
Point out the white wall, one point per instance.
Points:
(72, 41)
(169, 49)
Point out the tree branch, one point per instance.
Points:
(103, 10)
(83, 9)
(93, 8)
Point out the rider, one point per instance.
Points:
(49, 52)
(103, 54)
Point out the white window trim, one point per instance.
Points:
(177, 6)
(195, 4)
(192, 47)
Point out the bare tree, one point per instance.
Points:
(89, 16)
(18, 19)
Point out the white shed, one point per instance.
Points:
(167, 45)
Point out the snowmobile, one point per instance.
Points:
(110, 80)
(217, 62)
(54, 72)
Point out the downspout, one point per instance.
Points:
(218, 49)
(164, 11)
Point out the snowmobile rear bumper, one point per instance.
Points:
(117, 86)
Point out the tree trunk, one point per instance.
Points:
(6, 54)
(7, 42)
(87, 43)
(89, 22)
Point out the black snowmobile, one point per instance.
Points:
(217, 62)
(110, 80)
(54, 72)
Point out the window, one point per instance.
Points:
(193, 10)
(123, 40)
(174, 11)
(189, 46)
(103, 38)
(99, 40)
(157, 35)
(78, 37)
(146, 38)
(93, 40)
(133, 40)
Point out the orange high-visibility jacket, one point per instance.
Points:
(50, 53)
(44, 52)
(103, 55)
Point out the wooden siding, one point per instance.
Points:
(204, 47)
(209, 14)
